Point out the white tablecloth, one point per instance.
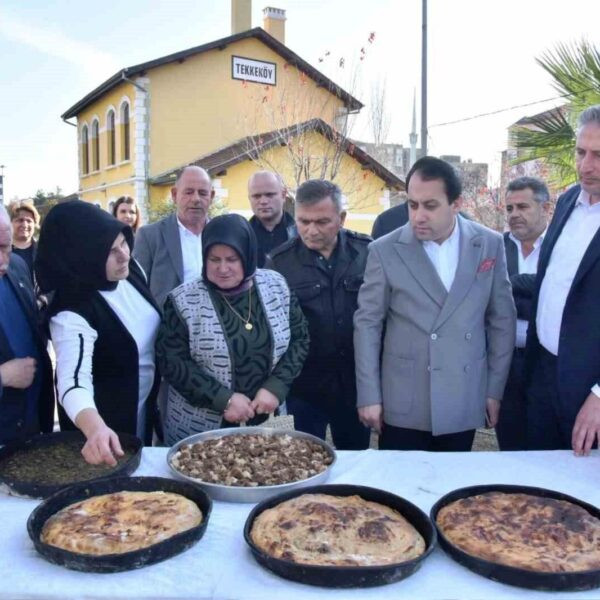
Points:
(221, 566)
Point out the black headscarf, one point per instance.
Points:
(233, 231)
(75, 240)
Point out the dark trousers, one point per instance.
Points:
(546, 429)
(399, 438)
(511, 429)
(347, 431)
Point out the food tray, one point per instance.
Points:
(113, 563)
(346, 576)
(28, 489)
(228, 493)
(574, 581)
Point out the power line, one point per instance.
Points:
(501, 110)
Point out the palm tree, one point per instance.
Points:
(550, 136)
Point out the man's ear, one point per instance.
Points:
(173, 194)
(457, 204)
(212, 194)
(342, 218)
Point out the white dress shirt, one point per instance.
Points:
(527, 264)
(572, 243)
(73, 339)
(444, 256)
(191, 251)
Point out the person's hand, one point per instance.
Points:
(587, 426)
(239, 408)
(371, 416)
(492, 412)
(264, 402)
(18, 372)
(102, 445)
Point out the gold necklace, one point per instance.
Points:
(247, 325)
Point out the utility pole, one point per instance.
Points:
(424, 79)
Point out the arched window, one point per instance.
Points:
(110, 137)
(95, 145)
(125, 139)
(85, 157)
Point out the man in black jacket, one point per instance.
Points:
(324, 267)
(563, 339)
(26, 390)
(526, 209)
(271, 224)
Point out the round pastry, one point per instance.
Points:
(319, 529)
(120, 522)
(524, 531)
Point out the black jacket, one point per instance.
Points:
(579, 341)
(329, 305)
(522, 284)
(115, 365)
(12, 401)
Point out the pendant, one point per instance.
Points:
(248, 326)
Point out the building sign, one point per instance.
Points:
(249, 69)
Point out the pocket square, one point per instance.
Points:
(486, 265)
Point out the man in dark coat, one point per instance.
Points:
(26, 390)
(271, 224)
(563, 339)
(526, 209)
(324, 267)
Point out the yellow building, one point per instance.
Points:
(234, 105)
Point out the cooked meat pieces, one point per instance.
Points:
(252, 460)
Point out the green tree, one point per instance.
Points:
(550, 137)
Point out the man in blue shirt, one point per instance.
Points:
(26, 391)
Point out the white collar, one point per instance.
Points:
(450, 240)
(537, 242)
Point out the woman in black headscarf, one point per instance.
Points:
(103, 322)
(231, 342)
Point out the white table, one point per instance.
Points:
(221, 566)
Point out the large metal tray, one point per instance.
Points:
(536, 580)
(346, 576)
(113, 563)
(30, 489)
(228, 493)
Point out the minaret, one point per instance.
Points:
(413, 134)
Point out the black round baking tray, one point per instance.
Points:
(30, 489)
(536, 580)
(113, 563)
(342, 576)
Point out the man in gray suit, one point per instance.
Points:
(170, 250)
(439, 288)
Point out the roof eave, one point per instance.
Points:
(350, 101)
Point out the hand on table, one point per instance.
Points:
(587, 426)
(264, 402)
(239, 408)
(371, 416)
(102, 445)
(18, 372)
(492, 412)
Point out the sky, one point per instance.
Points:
(481, 58)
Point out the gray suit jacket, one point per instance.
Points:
(158, 250)
(443, 352)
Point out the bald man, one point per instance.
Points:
(170, 250)
(271, 224)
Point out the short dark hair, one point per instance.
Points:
(537, 186)
(430, 168)
(315, 190)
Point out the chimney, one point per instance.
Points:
(274, 22)
(241, 16)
